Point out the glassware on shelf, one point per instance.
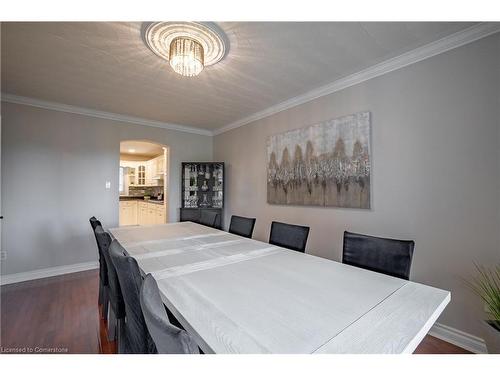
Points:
(191, 201)
(202, 185)
(216, 201)
(218, 172)
(204, 203)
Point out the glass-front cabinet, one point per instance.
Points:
(141, 175)
(202, 189)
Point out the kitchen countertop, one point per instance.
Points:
(135, 198)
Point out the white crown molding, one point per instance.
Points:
(46, 272)
(437, 47)
(459, 338)
(10, 98)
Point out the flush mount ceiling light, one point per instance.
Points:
(187, 46)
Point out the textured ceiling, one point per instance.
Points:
(107, 67)
(140, 148)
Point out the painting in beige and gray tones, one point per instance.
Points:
(327, 164)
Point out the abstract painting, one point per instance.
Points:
(327, 164)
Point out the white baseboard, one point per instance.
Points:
(46, 272)
(459, 338)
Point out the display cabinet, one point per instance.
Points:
(141, 175)
(202, 189)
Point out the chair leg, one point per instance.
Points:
(112, 325)
(101, 291)
(119, 328)
(105, 304)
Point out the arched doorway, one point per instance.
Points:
(143, 183)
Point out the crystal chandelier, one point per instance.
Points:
(186, 56)
(189, 47)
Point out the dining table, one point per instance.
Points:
(240, 295)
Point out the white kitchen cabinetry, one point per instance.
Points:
(160, 165)
(145, 173)
(150, 217)
(135, 212)
(128, 213)
(149, 173)
(141, 174)
(142, 213)
(159, 214)
(150, 213)
(132, 171)
(154, 170)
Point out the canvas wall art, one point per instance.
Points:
(327, 164)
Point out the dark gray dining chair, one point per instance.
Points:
(115, 308)
(384, 255)
(168, 338)
(242, 226)
(134, 336)
(103, 273)
(208, 218)
(293, 237)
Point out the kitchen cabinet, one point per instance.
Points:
(141, 174)
(137, 172)
(131, 170)
(155, 171)
(160, 215)
(160, 165)
(145, 173)
(152, 166)
(128, 213)
(150, 213)
(142, 208)
(148, 180)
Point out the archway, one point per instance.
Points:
(143, 183)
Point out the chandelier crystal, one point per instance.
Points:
(189, 47)
(186, 56)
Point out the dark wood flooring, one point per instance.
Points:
(60, 314)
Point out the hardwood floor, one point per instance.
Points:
(60, 315)
(433, 345)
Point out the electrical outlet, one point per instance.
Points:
(108, 185)
(3, 255)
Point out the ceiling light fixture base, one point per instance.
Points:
(158, 36)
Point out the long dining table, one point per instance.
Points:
(238, 295)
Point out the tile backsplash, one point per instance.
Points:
(140, 191)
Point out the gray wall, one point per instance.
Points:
(436, 169)
(54, 169)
